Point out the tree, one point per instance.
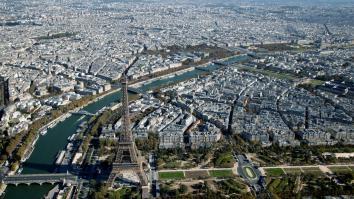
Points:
(115, 195)
(183, 189)
(99, 195)
(85, 143)
(14, 166)
(3, 157)
(93, 183)
(150, 144)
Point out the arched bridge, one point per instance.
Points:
(65, 178)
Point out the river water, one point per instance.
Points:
(43, 157)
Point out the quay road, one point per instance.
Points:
(65, 178)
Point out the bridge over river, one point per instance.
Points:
(65, 178)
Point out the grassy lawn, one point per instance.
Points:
(197, 174)
(340, 169)
(221, 173)
(175, 175)
(306, 169)
(274, 172)
(249, 172)
(312, 170)
(292, 170)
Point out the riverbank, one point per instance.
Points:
(184, 70)
(140, 83)
(59, 119)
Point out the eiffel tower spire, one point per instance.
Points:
(127, 158)
(126, 133)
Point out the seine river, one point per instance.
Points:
(43, 157)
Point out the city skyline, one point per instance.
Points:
(219, 99)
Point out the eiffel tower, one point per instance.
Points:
(127, 158)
